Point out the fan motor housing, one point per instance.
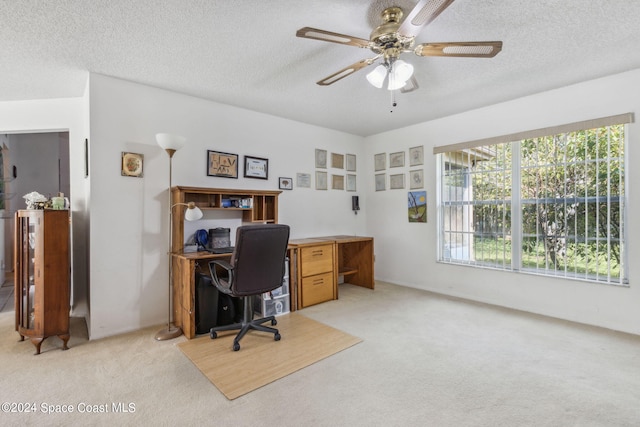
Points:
(386, 38)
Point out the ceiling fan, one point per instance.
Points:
(395, 37)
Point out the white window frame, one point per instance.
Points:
(516, 235)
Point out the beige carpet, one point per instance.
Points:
(261, 360)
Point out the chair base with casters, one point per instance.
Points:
(247, 323)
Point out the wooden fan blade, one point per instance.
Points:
(347, 71)
(412, 84)
(328, 36)
(422, 14)
(461, 49)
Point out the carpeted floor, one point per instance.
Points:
(425, 360)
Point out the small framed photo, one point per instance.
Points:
(256, 167)
(321, 180)
(337, 161)
(132, 164)
(223, 165)
(380, 161)
(303, 180)
(351, 162)
(337, 182)
(416, 156)
(396, 160)
(416, 179)
(321, 158)
(381, 182)
(351, 182)
(285, 183)
(396, 181)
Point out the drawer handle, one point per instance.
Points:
(317, 252)
(318, 281)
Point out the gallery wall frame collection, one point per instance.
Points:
(397, 179)
(340, 180)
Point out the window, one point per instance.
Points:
(551, 204)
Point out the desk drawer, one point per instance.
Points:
(316, 259)
(317, 289)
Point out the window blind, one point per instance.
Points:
(537, 133)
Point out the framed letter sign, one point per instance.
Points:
(222, 164)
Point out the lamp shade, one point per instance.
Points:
(170, 142)
(192, 213)
(402, 70)
(377, 76)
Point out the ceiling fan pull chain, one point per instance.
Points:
(393, 100)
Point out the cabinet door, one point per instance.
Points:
(317, 289)
(28, 273)
(316, 259)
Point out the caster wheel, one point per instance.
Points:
(274, 322)
(213, 335)
(276, 337)
(236, 346)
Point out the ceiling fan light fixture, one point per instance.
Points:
(402, 70)
(377, 76)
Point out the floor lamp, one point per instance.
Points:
(171, 144)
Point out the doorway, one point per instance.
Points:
(30, 162)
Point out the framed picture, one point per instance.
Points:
(321, 158)
(303, 180)
(337, 182)
(417, 206)
(396, 160)
(285, 183)
(381, 181)
(351, 182)
(337, 161)
(351, 162)
(321, 180)
(396, 181)
(380, 161)
(416, 179)
(256, 167)
(132, 164)
(416, 156)
(223, 165)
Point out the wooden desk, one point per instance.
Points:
(185, 267)
(315, 265)
(318, 262)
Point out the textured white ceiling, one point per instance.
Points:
(245, 53)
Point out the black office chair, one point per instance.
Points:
(256, 266)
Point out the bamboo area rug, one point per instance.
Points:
(261, 360)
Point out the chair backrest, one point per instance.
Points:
(258, 258)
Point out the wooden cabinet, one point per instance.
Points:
(255, 206)
(320, 262)
(41, 275)
(316, 271)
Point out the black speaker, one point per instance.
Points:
(355, 203)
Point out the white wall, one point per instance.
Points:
(406, 253)
(129, 216)
(59, 115)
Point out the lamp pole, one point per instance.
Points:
(166, 141)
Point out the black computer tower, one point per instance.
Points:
(206, 304)
(211, 309)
